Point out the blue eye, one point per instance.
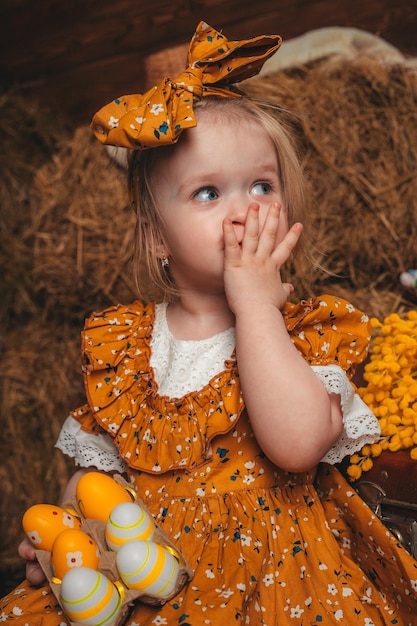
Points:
(261, 189)
(208, 194)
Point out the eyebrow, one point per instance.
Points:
(269, 167)
(192, 183)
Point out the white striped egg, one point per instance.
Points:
(147, 566)
(89, 597)
(128, 521)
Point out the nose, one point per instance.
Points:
(238, 210)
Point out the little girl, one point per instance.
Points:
(224, 405)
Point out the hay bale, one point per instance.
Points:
(83, 230)
(77, 241)
(30, 136)
(40, 374)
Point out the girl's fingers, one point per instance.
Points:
(249, 244)
(287, 245)
(251, 232)
(262, 243)
(26, 550)
(231, 244)
(34, 573)
(268, 235)
(288, 288)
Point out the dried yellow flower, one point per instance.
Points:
(354, 471)
(391, 389)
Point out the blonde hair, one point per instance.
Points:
(149, 226)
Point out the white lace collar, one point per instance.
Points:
(182, 366)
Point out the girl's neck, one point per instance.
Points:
(196, 316)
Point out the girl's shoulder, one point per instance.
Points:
(122, 314)
(323, 308)
(329, 330)
(119, 334)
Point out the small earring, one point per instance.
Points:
(165, 261)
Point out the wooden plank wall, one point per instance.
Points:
(82, 53)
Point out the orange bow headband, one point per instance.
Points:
(158, 116)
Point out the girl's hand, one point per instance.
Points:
(252, 267)
(34, 572)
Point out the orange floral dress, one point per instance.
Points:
(266, 546)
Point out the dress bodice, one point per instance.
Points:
(162, 401)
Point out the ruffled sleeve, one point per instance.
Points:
(329, 330)
(153, 433)
(89, 447)
(360, 426)
(333, 336)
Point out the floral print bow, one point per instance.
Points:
(158, 117)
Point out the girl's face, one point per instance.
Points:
(216, 170)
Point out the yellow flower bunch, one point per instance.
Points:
(391, 389)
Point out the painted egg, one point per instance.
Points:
(128, 521)
(42, 523)
(98, 494)
(73, 548)
(147, 566)
(89, 597)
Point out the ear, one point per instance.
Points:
(161, 251)
(158, 249)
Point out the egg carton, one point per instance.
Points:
(107, 562)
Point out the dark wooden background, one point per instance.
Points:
(79, 54)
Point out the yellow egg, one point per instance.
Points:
(73, 548)
(98, 494)
(147, 566)
(42, 523)
(128, 521)
(89, 597)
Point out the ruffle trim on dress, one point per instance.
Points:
(360, 426)
(123, 396)
(329, 330)
(89, 451)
